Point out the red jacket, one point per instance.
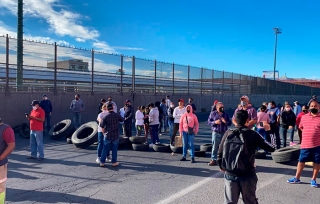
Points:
(192, 121)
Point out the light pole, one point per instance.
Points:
(276, 32)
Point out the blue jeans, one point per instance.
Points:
(100, 145)
(76, 117)
(165, 123)
(107, 145)
(275, 130)
(188, 141)
(216, 140)
(283, 133)
(154, 132)
(262, 132)
(36, 143)
(47, 118)
(170, 123)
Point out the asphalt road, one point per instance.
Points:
(70, 175)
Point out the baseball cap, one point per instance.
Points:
(245, 97)
(128, 101)
(181, 100)
(35, 102)
(44, 95)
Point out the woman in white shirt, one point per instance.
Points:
(100, 134)
(177, 113)
(139, 120)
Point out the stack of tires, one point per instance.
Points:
(161, 147)
(138, 143)
(286, 154)
(63, 129)
(85, 135)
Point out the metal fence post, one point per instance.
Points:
(212, 82)
(133, 74)
(173, 78)
(201, 76)
(121, 74)
(155, 77)
(7, 66)
(55, 69)
(92, 72)
(188, 79)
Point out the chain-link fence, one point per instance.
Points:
(56, 68)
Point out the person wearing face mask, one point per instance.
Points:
(287, 123)
(139, 120)
(77, 107)
(46, 105)
(146, 123)
(219, 121)
(263, 118)
(298, 120)
(310, 145)
(274, 115)
(189, 127)
(36, 118)
(192, 104)
(177, 113)
(246, 105)
(170, 118)
(101, 115)
(128, 115)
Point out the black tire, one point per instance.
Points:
(286, 154)
(61, 129)
(140, 147)
(260, 154)
(176, 149)
(137, 139)
(206, 147)
(24, 131)
(198, 152)
(69, 141)
(16, 129)
(124, 142)
(85, 135)
(161, 147)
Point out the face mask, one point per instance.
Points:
(314, 110)
(287, 109)
(188, 111)
(77, 98)
(172, 106)
(243, 103)
(221, 109)
(45, 98)
(34, 107)
(269, 106)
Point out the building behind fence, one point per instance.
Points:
(57, 68)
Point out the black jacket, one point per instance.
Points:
(170, 114)
(128, 113)
(253, 140)
(287, 118)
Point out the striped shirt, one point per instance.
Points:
(310, 126)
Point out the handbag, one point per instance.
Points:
(190, 130)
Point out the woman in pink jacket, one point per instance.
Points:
(189, 127)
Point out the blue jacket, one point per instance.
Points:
(46, 106)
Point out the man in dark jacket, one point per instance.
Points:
(246, 182)
(102, 101)
(170, 118)
(128, 116)
(287, 123)
(46, 105)
(161, 115)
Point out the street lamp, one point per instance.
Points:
(276, 32)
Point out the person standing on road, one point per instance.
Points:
(128, 115)
(154, 123)
(36, 119)
(296, 108)
(46, 105)
(139, 120)
(287, 123)
(310, 145)
(314, 98)
(102, 102)
(113, 103)
(146, 123)
(170, 118)
(77, 107)
(7, 145)
(298, 120)
(168, 102)
(246, 105)
(274, 115)
(122, 111)
(177, 113)
(263, 118)
(110, 130)
(100, 134)
(165, 116)
(219, 121)
(192, 104)
(161, 115)
(243, 179)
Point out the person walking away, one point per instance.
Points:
(219, 121)
(100, 134)
(114, 104)
(102, 102)
(146, 123)
(177, 113)
(274, 115)
(239, 171)
(170, 118)
(110, 130)
(245, 105)
(161, 115)
(263, 118)
(165, 115)
(168, 102)
(298, 121)
(128, 115)
(189, 127)
(77, 107)
(122, 111)
(213, 108)
(46, 105)
(190, 100)
(139, 120)
(7, 145)
(287, 123)
(310, 145)
(314, 98)
(154, 123)
(36, 119)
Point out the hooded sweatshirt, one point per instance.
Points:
(192, 121)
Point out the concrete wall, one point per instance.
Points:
(13, 106)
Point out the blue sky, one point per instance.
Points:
(234, 36)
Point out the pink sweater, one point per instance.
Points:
(192, 121)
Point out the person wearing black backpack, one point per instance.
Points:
(236, 157)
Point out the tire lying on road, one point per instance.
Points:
(286, 154)
(260, 154)
(85, 135)
(206, 147)
(198, 152)
(62, 129)
(24, 131)
(140, 147)
(137, 139)
(176, 149)
(161, 147)
(124, 142)
(69, 141)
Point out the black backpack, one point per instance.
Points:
(234, 151)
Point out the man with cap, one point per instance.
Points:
(128, 115)
(252, 113)
(314, 98)
(46, 105)
(36, 118)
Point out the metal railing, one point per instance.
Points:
(56, 68)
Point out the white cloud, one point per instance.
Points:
(80, 40)
(127, 48)
(103, 47)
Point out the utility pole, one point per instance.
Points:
(19, 79)
(276, 32)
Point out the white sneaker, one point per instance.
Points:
(108, 159)
(98, 160)
(157, 142)
(151, 145)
